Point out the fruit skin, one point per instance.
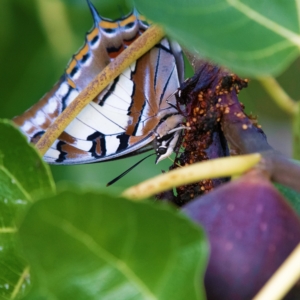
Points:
(251, 229)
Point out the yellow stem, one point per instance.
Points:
(221, 167)
(278, 94)
(283, 279)
(139, 47)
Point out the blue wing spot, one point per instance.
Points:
(94, 40)
(109, 30)
(85, 58)
(74, 71)
(129, 25)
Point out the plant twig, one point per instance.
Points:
(139, 47)
(282, 170)
(221, 167)
(278, 94)
(283, 279)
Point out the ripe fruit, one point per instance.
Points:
(251, 229)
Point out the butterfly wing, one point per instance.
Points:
(122, 119)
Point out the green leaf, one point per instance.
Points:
(22, 164)
(251, 37)
(296, 135)
(291, 195)
(95, 246)
(14, 270)
(23, 176)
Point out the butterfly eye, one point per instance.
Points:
(161, 150)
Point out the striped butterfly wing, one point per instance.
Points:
(124, 118)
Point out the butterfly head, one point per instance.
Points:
(165, 145)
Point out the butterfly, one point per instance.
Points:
(134, 113)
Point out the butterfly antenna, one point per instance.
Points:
(167, 100)
(128, 170)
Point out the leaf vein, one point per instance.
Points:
(8, 230)
(16, 182)
(298, 12)
(100, 252)
(18, 286)
(267, 23)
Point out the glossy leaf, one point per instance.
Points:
(23, 176)
(250, 37)
(95, 246)
(292, 196)
(22, 164)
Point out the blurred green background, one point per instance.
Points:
(37, 39)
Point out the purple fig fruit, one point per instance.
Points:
(251, 229)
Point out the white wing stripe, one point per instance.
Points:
(97, 122)
(112, 144)
(126, 84)
(62, 90)
(115, 103)
(103, 120)
(78, 130)
(52, 153)
(83, 145)
(39, 119)
(132, 66)
(52, 105)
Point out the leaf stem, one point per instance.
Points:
(283, 279)
(25, 275)
(139, 47)
(215, 168)
(278, 94)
